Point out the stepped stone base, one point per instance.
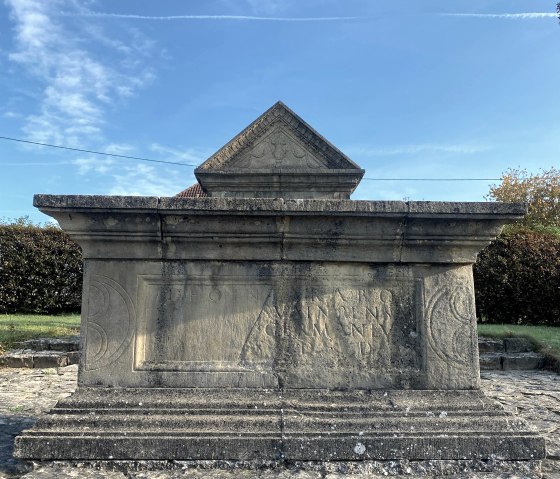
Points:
(275, 425)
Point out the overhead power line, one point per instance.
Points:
(96, 152)
(431, 179)
(104, 153)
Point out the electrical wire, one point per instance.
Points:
(96, 152)
(191, 164)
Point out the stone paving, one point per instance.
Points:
(27, 393)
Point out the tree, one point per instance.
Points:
(541, 192)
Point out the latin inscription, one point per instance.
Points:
(233, 324)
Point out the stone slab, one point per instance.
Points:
(34, 359)
(521, 361)
(490, 361)
(490, 345)
(518, 345)
(271, 324)
(182, 424)
(28, 393)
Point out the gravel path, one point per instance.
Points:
(27, 393)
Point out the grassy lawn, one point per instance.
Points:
(19, 327)
(546, 338)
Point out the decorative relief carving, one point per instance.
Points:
(278, 149)
(198, 325)
(350, 326)
(276, 116)
(449, 315)
(110, 322)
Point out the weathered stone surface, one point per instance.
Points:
(300, 328)
(490, 345)
(316, 425)
(279, 155)
(490, 361)
(518, 345)
(522, 361)
(28, 358)
(27, 393)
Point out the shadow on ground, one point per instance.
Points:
(10, 427)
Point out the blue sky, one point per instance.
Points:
(407, 89)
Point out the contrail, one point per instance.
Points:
(211, 17)
(518, 16)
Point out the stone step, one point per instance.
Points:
(505, 345)
(51, 344)
(28, 358)
(512, 361)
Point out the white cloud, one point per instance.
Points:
(187, 155)
(210, 17)
(11, 114)
(512, 16)
(97, 165)
(77, 88)
(142, 179)
(369, 151)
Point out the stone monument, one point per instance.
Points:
(276, 319)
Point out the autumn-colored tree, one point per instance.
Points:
(541, 192)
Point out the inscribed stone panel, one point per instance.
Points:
(190, 323)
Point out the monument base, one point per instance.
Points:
(278, 425)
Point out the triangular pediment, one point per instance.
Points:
(279, 156)
(278, 139)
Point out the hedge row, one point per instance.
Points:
(40, 270)
(517, 279)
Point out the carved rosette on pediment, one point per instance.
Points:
(279, 155)
(278, 149)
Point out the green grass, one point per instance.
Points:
(546, 338)
(19, 327)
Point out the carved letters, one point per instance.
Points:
(234, 323)
(345, 325)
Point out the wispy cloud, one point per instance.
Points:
(97, 165)
(370, 151)
(76, 87)
(512, 16)
(209, 17)
(186, 155)
(142, 179)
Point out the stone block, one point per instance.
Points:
(523, 361)
(49, 359)
(17, 359)
(490, 361)
(276, 320)
(490, 345)
(291, 425)
(73, 357)
(518, 345)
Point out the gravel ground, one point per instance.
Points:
(27, 393)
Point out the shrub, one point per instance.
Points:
(40, 269)
(517, 279)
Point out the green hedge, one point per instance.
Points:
(517, 279)
(40, 270)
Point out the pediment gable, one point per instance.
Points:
(278, 139)
(280, 156)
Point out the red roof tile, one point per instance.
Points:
(194, 191)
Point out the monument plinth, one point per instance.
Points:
(276, 319)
